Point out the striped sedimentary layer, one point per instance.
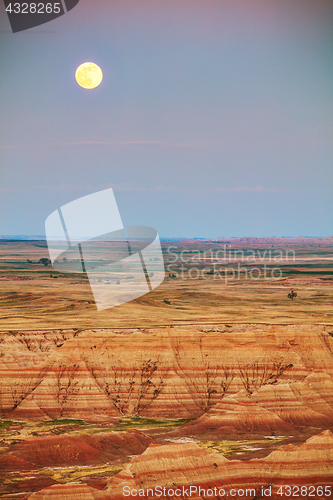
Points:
(181, 466)
(245, 378)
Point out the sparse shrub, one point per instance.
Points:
(131, 390)
(67, 384)
(266, 372)
(292, 295)
(44, 261)
(207, 379)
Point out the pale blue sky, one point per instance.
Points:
(214, 118)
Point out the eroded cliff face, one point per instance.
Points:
(178, 466)
(242, 376)
(20, 350)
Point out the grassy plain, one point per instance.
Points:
(197, 288)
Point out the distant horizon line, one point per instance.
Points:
(33, 237)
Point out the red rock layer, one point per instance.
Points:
(70, 451)
(184, 465)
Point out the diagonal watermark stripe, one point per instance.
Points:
(87, 235)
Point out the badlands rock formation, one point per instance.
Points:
(178, 466)
(242, 377)
(232, 383)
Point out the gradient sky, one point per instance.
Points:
(214, 118)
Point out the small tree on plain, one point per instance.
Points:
(44, 261)
(292, 295)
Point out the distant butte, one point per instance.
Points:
(268, 241)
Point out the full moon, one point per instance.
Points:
(89, 75)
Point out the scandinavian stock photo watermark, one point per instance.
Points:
(227, 264)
